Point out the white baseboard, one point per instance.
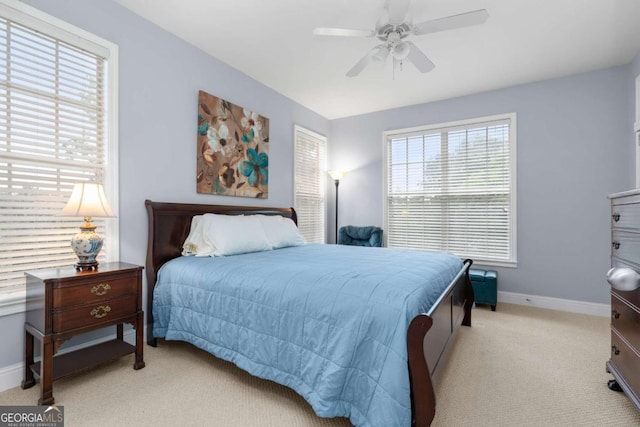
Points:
(569, 305)
(11, 376)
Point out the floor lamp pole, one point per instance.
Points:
(337, 181)
(336, 175)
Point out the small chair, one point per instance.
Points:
(360, 236)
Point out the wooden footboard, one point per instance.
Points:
(428, 336)
(428, 339)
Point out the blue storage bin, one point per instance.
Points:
(485, 286)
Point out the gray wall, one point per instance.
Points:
(634, 71)
(562, 206)
(635, 66)
(159, 79)
(573, 148)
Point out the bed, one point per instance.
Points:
(427, 334)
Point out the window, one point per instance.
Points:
(452, 188)
(57, 127)
(309, 183)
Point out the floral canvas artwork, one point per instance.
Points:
(233, 149)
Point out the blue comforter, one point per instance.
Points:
(329, 321)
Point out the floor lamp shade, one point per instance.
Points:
(87, 200)
(337, 175)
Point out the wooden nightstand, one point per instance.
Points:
(62, 303)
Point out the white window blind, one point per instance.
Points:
(309, 183)
(452, 188)
(53, 133)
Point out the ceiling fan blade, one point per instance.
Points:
(343, 32)
(378, 53)
(451, 22)
(419, 59)
(360, 65)
(397, 10)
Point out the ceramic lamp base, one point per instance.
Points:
(87, 245)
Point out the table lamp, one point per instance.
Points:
(87, 200)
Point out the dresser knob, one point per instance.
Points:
(616, 216)
(615, 244)
(101, 289)
(615, 350)
(100, 311)
(615, 314)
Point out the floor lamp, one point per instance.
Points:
(337, 176)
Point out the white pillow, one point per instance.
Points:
(281, 232)
(234, 234)
(196, 243)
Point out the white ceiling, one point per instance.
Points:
(522, 41)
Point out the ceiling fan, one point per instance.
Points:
(394, 26)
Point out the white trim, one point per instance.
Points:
(572, 306)
(11, 376)
(301, 129)
(21, 12)
(12, 302)
(112, 175)
(637, 124)
(465, 122)
(513, 162)
(298, 128)
(636, 128)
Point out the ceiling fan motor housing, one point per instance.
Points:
(402, 30)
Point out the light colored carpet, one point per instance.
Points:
(518, 366)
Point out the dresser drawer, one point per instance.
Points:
(89, 315)
(625, 215)
(625, 320)
(625, 245)
(626, 360)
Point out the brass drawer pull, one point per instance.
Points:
(615, 350)
(100, 311)
(101, 289)
(616, 216)
(615, 314)
(615, 244)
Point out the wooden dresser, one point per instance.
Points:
(63, 303)
(624, 364)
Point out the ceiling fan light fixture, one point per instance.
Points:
(381, 54)
(401, 50)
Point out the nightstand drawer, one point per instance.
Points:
(89, 315)
(94, 292)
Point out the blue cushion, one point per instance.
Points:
(360, 236)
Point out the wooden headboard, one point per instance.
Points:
(169, 225)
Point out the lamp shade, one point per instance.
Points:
(87, 200)
(337, 175)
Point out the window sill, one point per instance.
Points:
(507, 264)
(12, 302)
